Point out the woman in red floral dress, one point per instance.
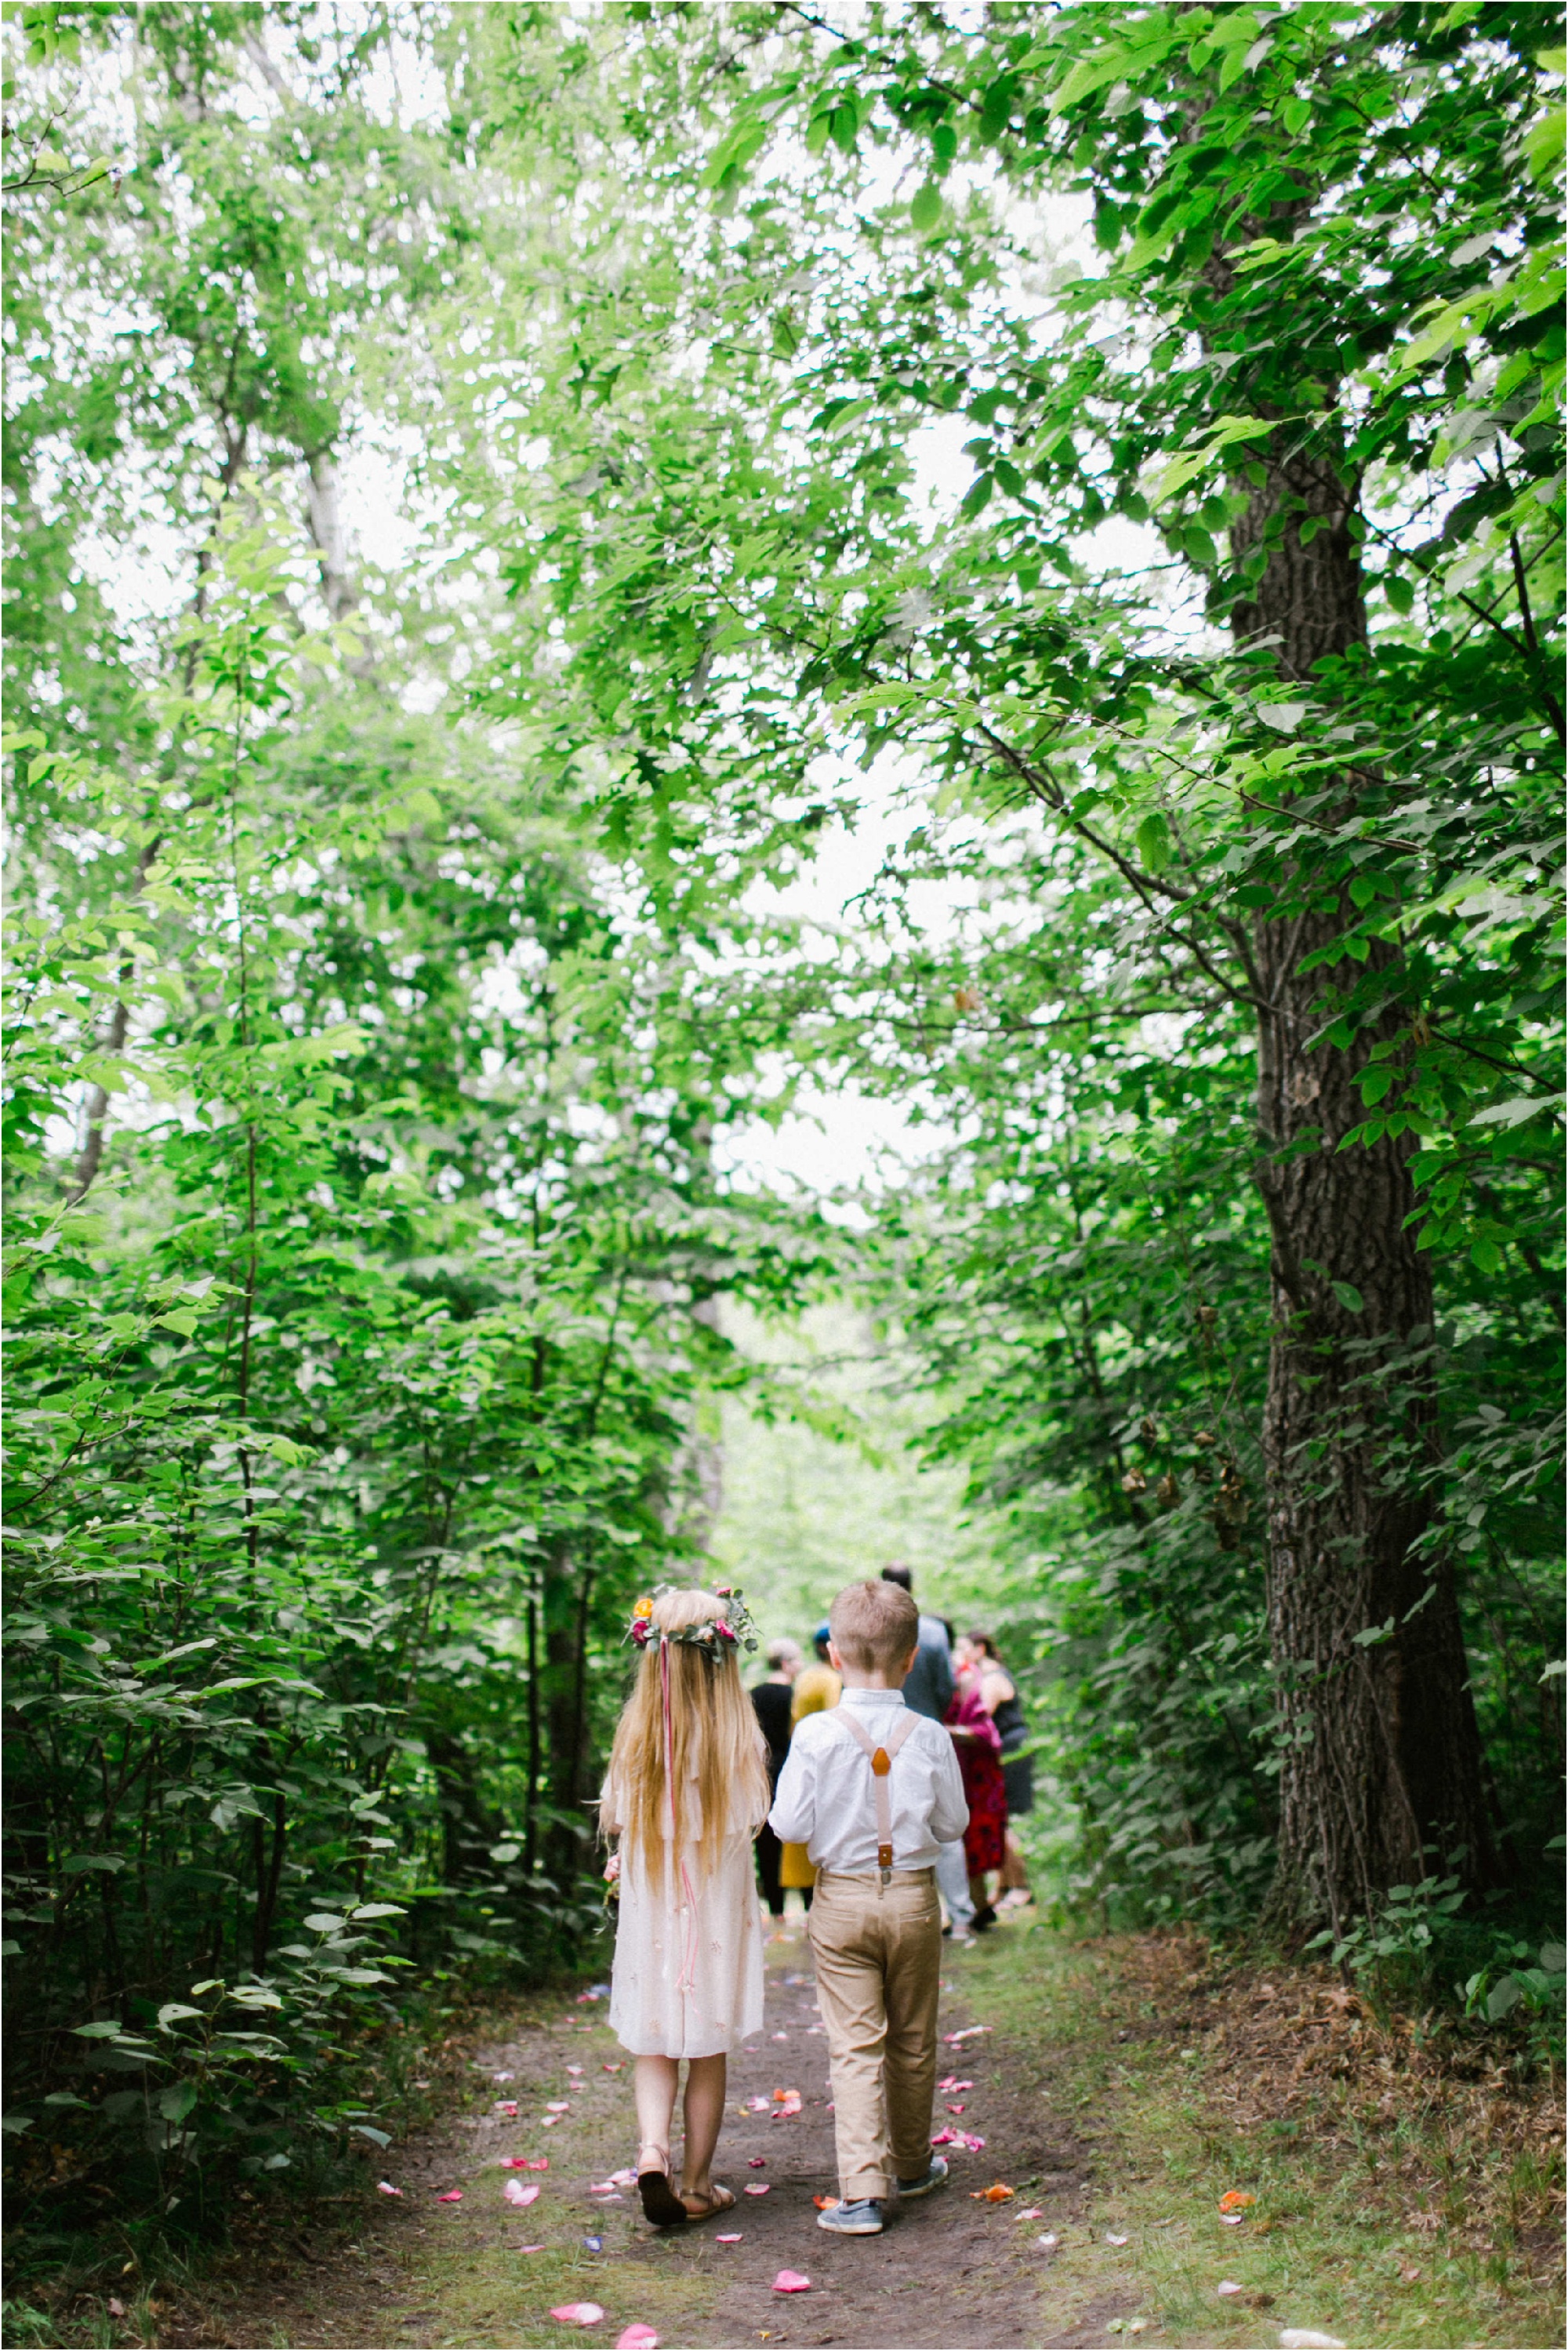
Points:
(979, 1747)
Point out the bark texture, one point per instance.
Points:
(1382, 1761)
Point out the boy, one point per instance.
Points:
(875, 1925)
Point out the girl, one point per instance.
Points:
(685, 1792)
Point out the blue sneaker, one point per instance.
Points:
(934, 2176)
(859, 2220)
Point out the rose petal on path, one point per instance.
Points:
(527, 2249)
(946, 2137)
(1228, 2287)
(757, 2162)
(578, 2313)
(1030, 2212)
(954, 2083)
(503, 2078)
(780, 2036)
(624, 2179)
(997, 2194)
(535, 2163)
(516, 2193)
(637, 2337)
(732, 2238)
(1111, 2239)
(755, 2187)
(968, 2033)
(953, 2109)
(972, 2140)
(1049, 2241)
(574, 2069)
(386, 2189)
(791, 2282)
(824, 2203)
(558, 2106)
(612, 2069)
(1232, 2220)
(505, 2107)
(548, 2122)
(594, 2244)
(452, 2195)
(1236, 2200)
(116, 2307)
(1307, 2338)
(516, 2163)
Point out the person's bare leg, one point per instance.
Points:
(657, 2080)
(706, 2081)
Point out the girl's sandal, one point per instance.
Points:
(718, 2200)
(661, 2205)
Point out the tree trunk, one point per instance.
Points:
(1381, 1766)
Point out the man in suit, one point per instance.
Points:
(929, 1691)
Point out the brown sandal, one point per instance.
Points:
(661, 2205)
(719, 2200)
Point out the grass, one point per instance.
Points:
(1330, 2242)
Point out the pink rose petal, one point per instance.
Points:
(1030, 2212)
(535, 2163)
(505, 2107)
(548, 2122)
(516, 2193)
(574, 2069)
(516, 2163)
(116, 2307)
(452, 2195)
(755, 2187)
(733, 2238)
(558, 2106)
(613, 2069)
(953, 2109)
(578, 2313)
(791, 2282)
(385, 2188)
(637, 2337)
(757, 2162)
(527, 2249)
(624, 2179)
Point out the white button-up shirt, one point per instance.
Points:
(826, 1799)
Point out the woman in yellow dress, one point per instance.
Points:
(816, 1691)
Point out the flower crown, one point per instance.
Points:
(716, 1636)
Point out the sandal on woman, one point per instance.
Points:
(661, 2205)
(718, 2199)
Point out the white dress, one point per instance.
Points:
(687, 1976)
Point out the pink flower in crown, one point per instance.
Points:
(640, 1632)
(724, 1591)
(726, 1632)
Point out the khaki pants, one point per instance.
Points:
(878, 1952)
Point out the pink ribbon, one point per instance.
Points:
(686, 1980)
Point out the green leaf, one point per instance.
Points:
(1155, 842)
(926, 208)
(1349, 1297)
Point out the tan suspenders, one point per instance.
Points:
(881, 1761)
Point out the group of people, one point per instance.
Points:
(868, 1796)
(959, 1681)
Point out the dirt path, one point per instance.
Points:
(953, 2271)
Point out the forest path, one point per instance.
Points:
(953, 2271)
(1125, 2086)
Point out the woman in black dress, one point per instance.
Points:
(771, 1699)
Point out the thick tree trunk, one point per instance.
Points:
(1381, 1767)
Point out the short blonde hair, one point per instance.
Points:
(874, 1626)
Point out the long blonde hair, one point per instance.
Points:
(713, 1728)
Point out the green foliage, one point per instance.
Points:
(388, 966)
